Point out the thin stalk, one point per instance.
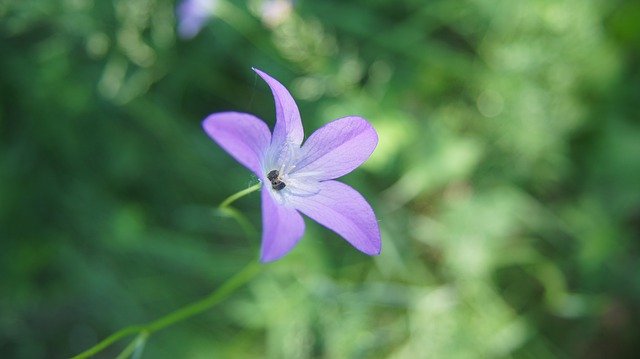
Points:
(238, 195)
(135, 347)
(224, 291)
(230, 286)
(124, 332)
(226, 210)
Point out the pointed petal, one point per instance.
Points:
(337, 148)
(245, 137)
(282, 228)
(288, 126)
(343, 210)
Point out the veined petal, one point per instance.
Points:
(282, 228)
(337, 148)
(288, 126)
(244, 136)
(343, 210)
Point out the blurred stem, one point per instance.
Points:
(238, 195)
(230, 286)
(125, 332)
(242, 220)
(135, 347)
(145, 331)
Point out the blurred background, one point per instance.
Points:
(506, 181)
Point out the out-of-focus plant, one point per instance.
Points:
(504, 181)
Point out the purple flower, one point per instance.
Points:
(193, 15)
(300, 177)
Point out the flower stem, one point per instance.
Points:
(225, 290)
(124, 332)
(234, 197)
(230, 286)
(145, 331)
(226, 210)
(135, 347)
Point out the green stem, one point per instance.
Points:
(248, 228)
(124, 332)
(230, 286)
(135, 347)
(238, 195)
(225, 290)
(226, 210)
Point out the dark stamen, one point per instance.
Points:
(274, 178)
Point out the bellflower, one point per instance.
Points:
(299, 177)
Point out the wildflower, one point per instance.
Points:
(300, 177)
(192, 16)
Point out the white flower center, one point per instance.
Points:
(280, 170)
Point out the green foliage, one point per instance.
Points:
(506, 180)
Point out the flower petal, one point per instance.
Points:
(245, 137)
(288, 126)
(343, 210)
(282, 228)
(337, 148)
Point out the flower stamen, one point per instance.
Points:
(276, 181)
